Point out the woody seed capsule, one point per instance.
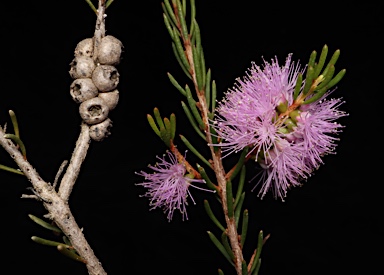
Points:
(105, 78)
(81, 67)
(93, 110)
(84, 48)
(109, 50)
(101, 130)
(83, 89)
(111, 98)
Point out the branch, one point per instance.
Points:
(73, 170)
(83, 141)
(57, 203)
(99, 28)
(217, 164)
(57, 207)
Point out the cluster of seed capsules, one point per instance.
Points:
(95, 83)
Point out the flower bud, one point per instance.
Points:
(109, 50)
(105, 77)
(83, 89)
(93, 110)
(82, 67)
(84, 48)
(101, 130)
(111, 98)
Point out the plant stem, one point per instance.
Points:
(57, 207)
(73, 170)
(57, 203)
(217, 167)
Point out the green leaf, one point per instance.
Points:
(173, 126)
(44, 224)
(204, 175)
(312, 59)
(244, 227)
(10, 169)
(18, 141)
(176, 84)
(332, 82)
(153, 125)
(308, 80)
(193, 107)
(256, 271)
(213, 100)
(320, 64)
(168, 128)
(240, 163)
(327, 78)
(200, 56)
(15, 124)
(214, 136)
(46, 242)
(66, 240)
(212, 216)
(258, 251)
(333, 61)
(158, 118)
(70, 253)
(244, 268)
(203, 69)
(315, 97)
(108, 3)
(197, 35)
(198, 72)
(181, 14)
(184, 7)
(229, 198)
(193, 15)
(299, 81)
(193, 149)
(168, 26)
(224, 241)
(219, 246)
(220, 272)
(238, 209)
(165, 137)
(91, 5)
(169, 11)
(185, 70)
(240, 185)
(336, 79)
(192, 120)
(208, 88)
(321, 92)
(180, 49)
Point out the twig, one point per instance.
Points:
(57, 207)
(83, 141)
(61, 169)
(99, 28)
(217, 164)
(57, 203)
(25, 196)
(73, 170)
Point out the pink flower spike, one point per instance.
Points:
(287, 146)
(168, 186)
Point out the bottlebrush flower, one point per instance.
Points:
(287, 138)
(168, 185)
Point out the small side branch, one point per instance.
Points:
(57, 207)
(74, 166)
(99, 28)
(59, 172)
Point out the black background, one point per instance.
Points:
(330, 225)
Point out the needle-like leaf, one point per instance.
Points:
(212, 216)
